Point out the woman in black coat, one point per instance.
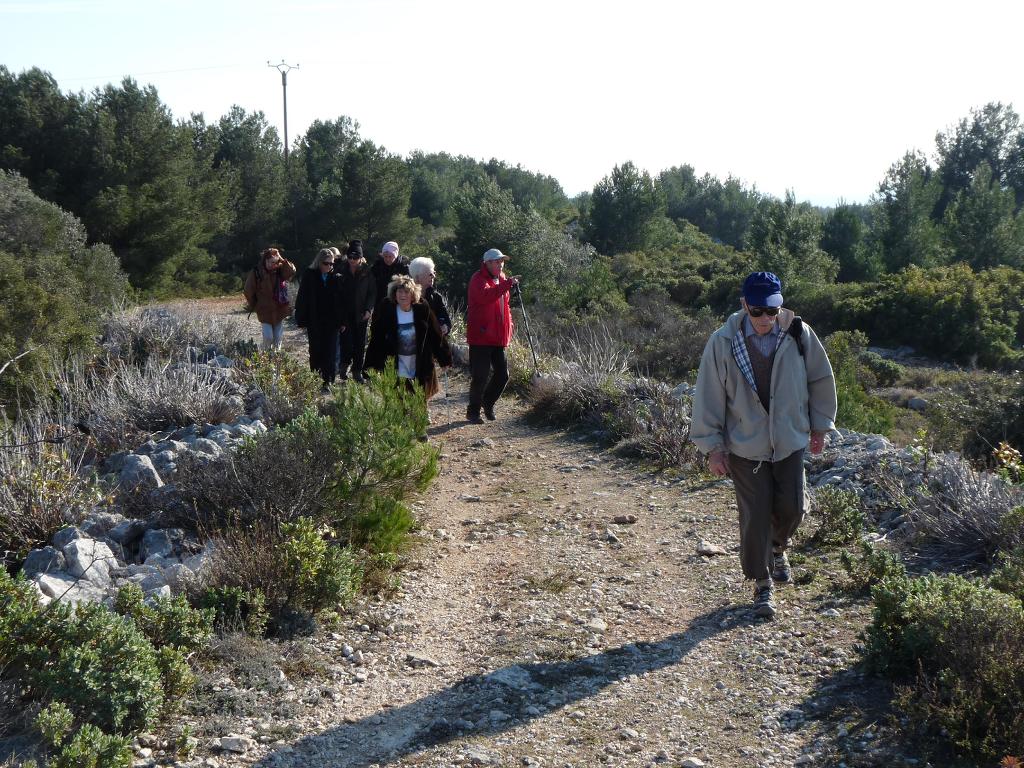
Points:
(406, 330)
(319, 309)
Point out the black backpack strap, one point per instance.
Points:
(796, 330)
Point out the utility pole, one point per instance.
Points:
(284, 69)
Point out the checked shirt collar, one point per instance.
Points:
(739, 351)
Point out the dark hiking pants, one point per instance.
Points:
(772, 501)
(482, 360)
(322, 344)
(352, 348)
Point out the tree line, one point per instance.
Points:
(187, 204)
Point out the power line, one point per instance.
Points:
(157, 72)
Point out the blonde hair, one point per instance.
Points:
(404, 281)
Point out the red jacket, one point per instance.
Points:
(489, 320)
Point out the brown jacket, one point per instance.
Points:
(259, 292)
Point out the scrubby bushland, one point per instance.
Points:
(102, 676)
(956, 646)
(45, 485)
(950, 313)
(299, 513)
(639, 416)
(55, 286)
(170, 331)
(858, 410)
(288, 386)
(121, 403)
(958, 518)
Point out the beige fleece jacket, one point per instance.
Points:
(727, 413)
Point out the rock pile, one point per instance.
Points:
(94, 559)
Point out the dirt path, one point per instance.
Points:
(555, 613)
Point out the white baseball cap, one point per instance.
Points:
(494, 255)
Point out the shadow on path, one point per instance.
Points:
(498, 701)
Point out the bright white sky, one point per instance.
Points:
(818, 97)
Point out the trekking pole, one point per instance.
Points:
(526, 321)
(447, 404)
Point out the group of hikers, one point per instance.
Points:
(765, 393)
(360, 317)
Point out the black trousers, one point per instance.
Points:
(482, 361)
(322, 345)
(353, 348)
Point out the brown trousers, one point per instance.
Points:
(772, 500)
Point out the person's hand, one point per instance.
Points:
(444, 330)
(718, 463)
(342, 329)
(366, 315)
(514, 279)
(817, 441)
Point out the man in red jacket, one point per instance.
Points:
(488, 332)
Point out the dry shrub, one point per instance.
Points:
(121, 404)
(167, 331)
(957, 515)
(44, 487)
(288, 386)
(654, 423)
(273, 479)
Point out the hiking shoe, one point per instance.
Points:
(489, 413)
(782, 573)
(764, 601)
(358, 377)
(473, 417)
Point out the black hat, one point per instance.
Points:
(355, 249)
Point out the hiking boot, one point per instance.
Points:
(358, 377)
(325, 390)
(782, 573)
(489, 412)
(764, 601)
(473, 417)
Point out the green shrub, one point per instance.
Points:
(293, 565)
(94, 661)
(86, 747)
(382, 527)
(167, 622)
(41, 316)
(886, 372)
(374, 431)
(873, 566)
(288, 386)
(842, 518)
(329, 467)
(236, 610)
(857, 410)
(960, 644)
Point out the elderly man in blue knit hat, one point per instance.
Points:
(765, 394)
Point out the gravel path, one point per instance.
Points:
(555, 612)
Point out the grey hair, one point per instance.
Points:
(404, 281)
(319, 257)
(421, 265)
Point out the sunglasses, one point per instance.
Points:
(327, 263)
(758, 311)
